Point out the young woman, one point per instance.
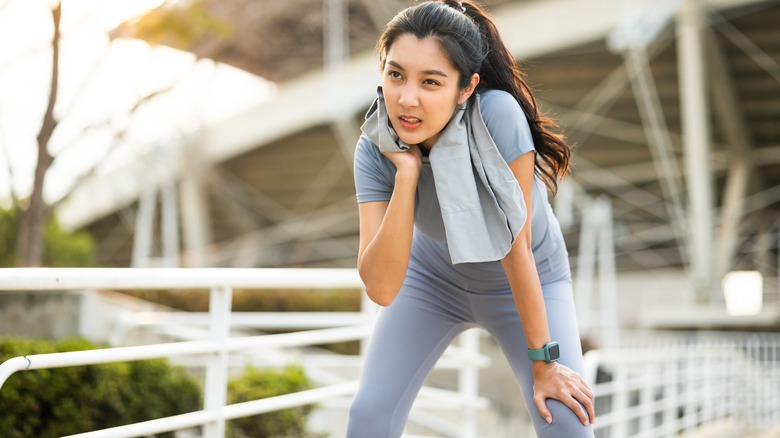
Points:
(452, 172)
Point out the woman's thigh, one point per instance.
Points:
(409, 337)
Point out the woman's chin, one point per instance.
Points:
(411, 139)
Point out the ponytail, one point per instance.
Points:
(500, 71)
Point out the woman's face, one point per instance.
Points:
(420, 88)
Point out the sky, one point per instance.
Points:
(100, 80)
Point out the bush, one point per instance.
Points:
(60, 248)
(268, 300)
(65, 401)
(257, 384)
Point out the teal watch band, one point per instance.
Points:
(549, 353)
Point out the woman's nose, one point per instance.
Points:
(408, 97)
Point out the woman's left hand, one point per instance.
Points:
(554, 380)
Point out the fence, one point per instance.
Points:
(219, 283)
(665, 385)
(651, 386)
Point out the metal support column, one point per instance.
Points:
(598, 322)
(657, 134)
(144, 228)
(732, 121)
(696, 144)
(170, 224)
(195, 222)
(335, 33)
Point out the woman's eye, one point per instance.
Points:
(430, 82)
(394, 74)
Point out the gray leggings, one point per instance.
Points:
(413, 332)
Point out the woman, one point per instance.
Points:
(448, 241)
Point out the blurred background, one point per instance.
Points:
(205, 133)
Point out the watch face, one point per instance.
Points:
(555, 352)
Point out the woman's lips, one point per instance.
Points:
(409, 122)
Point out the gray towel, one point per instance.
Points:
(481, 202)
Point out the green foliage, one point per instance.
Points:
(61, 249)
(268, 300)
(257, 384)
(64, 401)
(9, 229)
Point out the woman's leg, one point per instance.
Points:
(497, 313)
(409, 337)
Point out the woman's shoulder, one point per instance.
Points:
(366, 148)
(497, 100)
(368, 155)
(506, 122)
(500, 108)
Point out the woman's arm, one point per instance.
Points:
(551, 380)
(386, 231)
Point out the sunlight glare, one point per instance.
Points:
(743, 291)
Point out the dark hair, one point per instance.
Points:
(473, 45)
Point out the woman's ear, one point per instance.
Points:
(469, 90)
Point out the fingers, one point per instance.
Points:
(588, 402)
(586, 399)
(570, 389)
(541, 406)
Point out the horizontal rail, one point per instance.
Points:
(31, 279)
(258, 320)
(215, 326)
(156, 351)
(667, 385)
(229, 412)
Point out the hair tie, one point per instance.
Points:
(455, 4)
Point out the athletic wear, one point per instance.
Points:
(482, 206)
(438, 299)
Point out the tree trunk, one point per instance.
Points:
(33, 219)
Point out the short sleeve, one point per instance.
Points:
(374, 174)
(506, 123)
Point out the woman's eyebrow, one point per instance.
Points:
(427, 72)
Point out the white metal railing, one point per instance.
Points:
(666, 385)
(219, 283)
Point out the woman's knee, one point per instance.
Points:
(368, 418)
(565, 422)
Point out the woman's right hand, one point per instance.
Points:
(407, 161)
(554, 380)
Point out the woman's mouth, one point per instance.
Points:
(409, 122)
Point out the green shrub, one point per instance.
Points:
(60, 248)
(65, 401)
(267, 300)
(257, 384)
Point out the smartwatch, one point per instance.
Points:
(549, 353)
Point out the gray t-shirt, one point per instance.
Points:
(508, 126)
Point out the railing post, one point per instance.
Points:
(648, 385)
(708, 376)
(468, 383)
(215, 397)
(690, 419)
(620, 401)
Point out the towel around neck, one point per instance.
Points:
(481, 202)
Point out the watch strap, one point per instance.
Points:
(550, 352)
(536, 354)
